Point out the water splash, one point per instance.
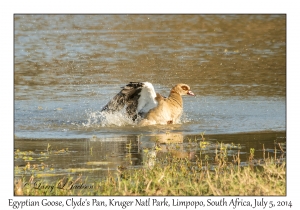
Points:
(105, 119)
(119, 119)
(185, 118)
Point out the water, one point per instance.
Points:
(68, 66)
(96, 157)
(82, 118)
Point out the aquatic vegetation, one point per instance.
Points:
(174, 173)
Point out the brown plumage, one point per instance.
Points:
(168, 110)
(140, 101)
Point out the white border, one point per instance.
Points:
(8, 8)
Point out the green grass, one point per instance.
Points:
(170, 175)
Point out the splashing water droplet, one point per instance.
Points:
(105, 119)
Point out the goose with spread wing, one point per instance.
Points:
(140, 99)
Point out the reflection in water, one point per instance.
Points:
(95, 157)
(164, 138)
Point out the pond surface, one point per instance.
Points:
(67, 67)
(94, 158)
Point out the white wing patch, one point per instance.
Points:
(147, 98)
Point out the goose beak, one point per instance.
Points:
(190, 93)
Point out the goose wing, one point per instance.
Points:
(137, 97)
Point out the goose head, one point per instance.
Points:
(182, 89)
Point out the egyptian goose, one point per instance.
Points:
(141, 100)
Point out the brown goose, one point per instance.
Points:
(168, 110)
(140, 99)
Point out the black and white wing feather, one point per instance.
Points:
(137, 97)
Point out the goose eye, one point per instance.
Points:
(184, 87)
